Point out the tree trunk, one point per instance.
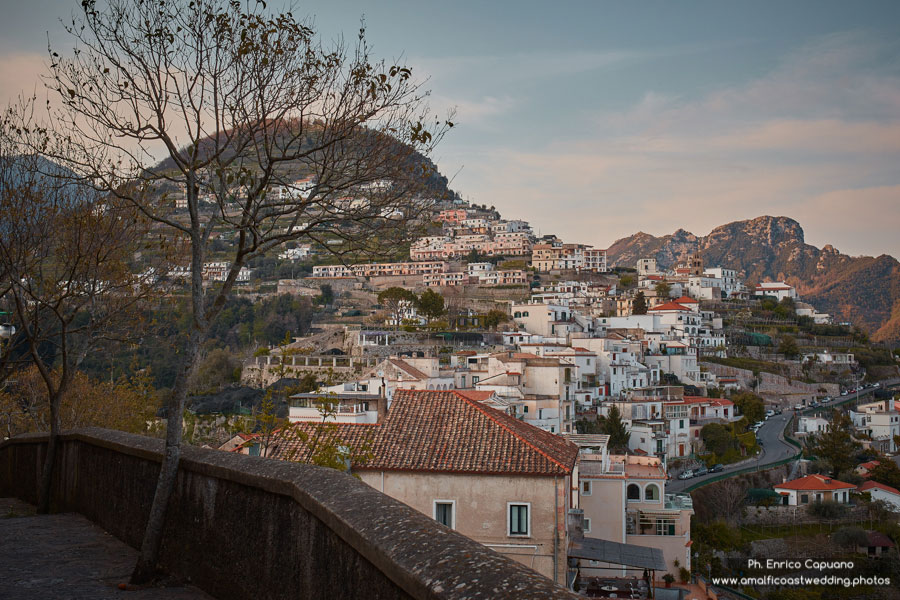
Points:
(50, 459)
(145, 569)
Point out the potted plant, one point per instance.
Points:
(669, 579)
(685, 575)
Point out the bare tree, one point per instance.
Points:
(267, 133)
(66, 256)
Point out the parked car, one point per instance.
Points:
(687, 474)
(717, 468)
(798, 407)
(770, 413)
(844, 393)
(700, 472)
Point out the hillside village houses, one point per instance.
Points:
(212, 272)
(880, 422)
(507, 484)
(486, 442)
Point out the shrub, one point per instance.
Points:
(827, 509)
(850, 537)
(685, 575)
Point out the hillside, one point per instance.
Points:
(436, 183)
(863, 290)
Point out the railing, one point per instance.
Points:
(308, 537)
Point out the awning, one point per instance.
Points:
(615, 553)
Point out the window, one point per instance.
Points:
(445, 513)
(587, 526)
(651, 493)
(585, 488)
(519, 519)
(804, 498)
(475, 379)
(665, 526)
(634, 491)
(526, 409)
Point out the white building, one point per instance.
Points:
(778, 289)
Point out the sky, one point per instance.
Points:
(597, 119)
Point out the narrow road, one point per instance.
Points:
(771, 438)
(774, 448)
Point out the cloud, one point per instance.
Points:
(817, 138)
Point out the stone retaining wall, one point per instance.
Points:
(250, 527)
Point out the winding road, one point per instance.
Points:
(771, 438)
(774, 449)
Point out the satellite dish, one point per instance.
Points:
(380, 373)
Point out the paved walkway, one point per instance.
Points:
(65, 556)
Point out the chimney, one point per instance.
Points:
(381, 402)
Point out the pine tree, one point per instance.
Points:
(639, 307)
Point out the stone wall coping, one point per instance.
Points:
(420, 556)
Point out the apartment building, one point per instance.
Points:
(624, 500)
(381, 269)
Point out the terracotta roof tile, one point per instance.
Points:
(291, 445)
(669, 306)
(874, 484)
(814, 482)
(448, 431)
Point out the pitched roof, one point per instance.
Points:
(814, 482)
(669, 306)
(476, 395)
(878, 539)
(298, 440)
(875, 485)
(447, 431)
(686, 300)
(408, 368)
(868, 466)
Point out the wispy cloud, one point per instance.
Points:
(817, 138)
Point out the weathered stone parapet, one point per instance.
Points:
(242, 526)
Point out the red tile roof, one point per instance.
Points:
(299, 440)
(669, 306)
(686, 300)
(868, 466)
(814, 482)
(476, 395)
(878, 539)
(875, 485)
(447, 431)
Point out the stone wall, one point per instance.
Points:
(775, 387)
(241, 526)
(797, 515)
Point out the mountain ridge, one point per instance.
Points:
(864, 290)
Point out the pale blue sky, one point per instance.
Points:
(594, 120)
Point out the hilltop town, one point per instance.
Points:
(556, 408)
(254, 345)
